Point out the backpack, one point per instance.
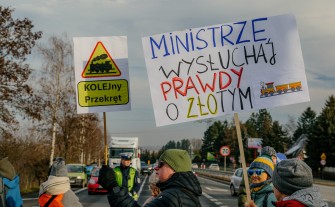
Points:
(10, 194)
(46, 200)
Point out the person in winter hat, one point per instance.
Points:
(270, 152)
(58, 186)
(178, 185)
(266, 151)
(260, 173)
(293, 185)
(11, 181)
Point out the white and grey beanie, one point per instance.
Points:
(58, 168)
(291, 175)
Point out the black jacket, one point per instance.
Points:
(181, 190)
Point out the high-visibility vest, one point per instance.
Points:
(131, 178)
(56, 202)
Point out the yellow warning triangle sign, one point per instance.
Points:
(100, 64)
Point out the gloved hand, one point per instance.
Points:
(107, 178)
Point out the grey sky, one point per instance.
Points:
(139, 18)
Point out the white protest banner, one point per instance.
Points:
(102, 74)
(210, 71)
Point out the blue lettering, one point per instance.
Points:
(162, 41)
(200, 39)
(254, 31)
(223, 37)
(238, 41)
(213, 34)
(179, 42)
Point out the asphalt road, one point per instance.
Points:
(215, 194)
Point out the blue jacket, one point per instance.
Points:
(13, 195)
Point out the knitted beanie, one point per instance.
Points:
(58, 168)
(263, 162)
(179, 160)
(269, 151)
(292, 175)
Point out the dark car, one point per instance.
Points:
(145, 169)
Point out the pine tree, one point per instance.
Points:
(322, 139)
(305, 123)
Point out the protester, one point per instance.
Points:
(260, 172)
(178, 185)
(155, 191)
(293, 185)
(57, 190)
(268, 151)
(10, 195)
(127, 176)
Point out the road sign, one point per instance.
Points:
(101, 74)
(225, 151)
(323, 156)
(255, 143)
(323, 162)
(100, 64)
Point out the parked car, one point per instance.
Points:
(214, 166)
(89, 169)
(195, 165)
(77, 174)
(235, 181)
(144, 168)
(93, 186)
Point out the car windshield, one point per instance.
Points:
(96, 173)
(144, 164)
(75, 168)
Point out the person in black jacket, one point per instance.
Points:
(178, 185)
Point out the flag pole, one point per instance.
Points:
(244, 166)
(105, 139)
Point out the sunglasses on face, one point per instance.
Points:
(161, 164)
(257, 171)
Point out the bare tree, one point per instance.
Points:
(16, 41)
(56, 80)
(57, 91)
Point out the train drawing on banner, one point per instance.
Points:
(101, 64)
(269, 89)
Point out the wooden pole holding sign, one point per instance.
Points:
(105, 138)
(244, 166)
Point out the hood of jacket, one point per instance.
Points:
(309, 196)
(12, 183)
(185, 180)
(7, 169)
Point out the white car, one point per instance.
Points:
(214, 166)
(195, 165)
(235, 181)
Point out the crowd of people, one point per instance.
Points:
(273, 182)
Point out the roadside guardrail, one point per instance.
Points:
(217, 174)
